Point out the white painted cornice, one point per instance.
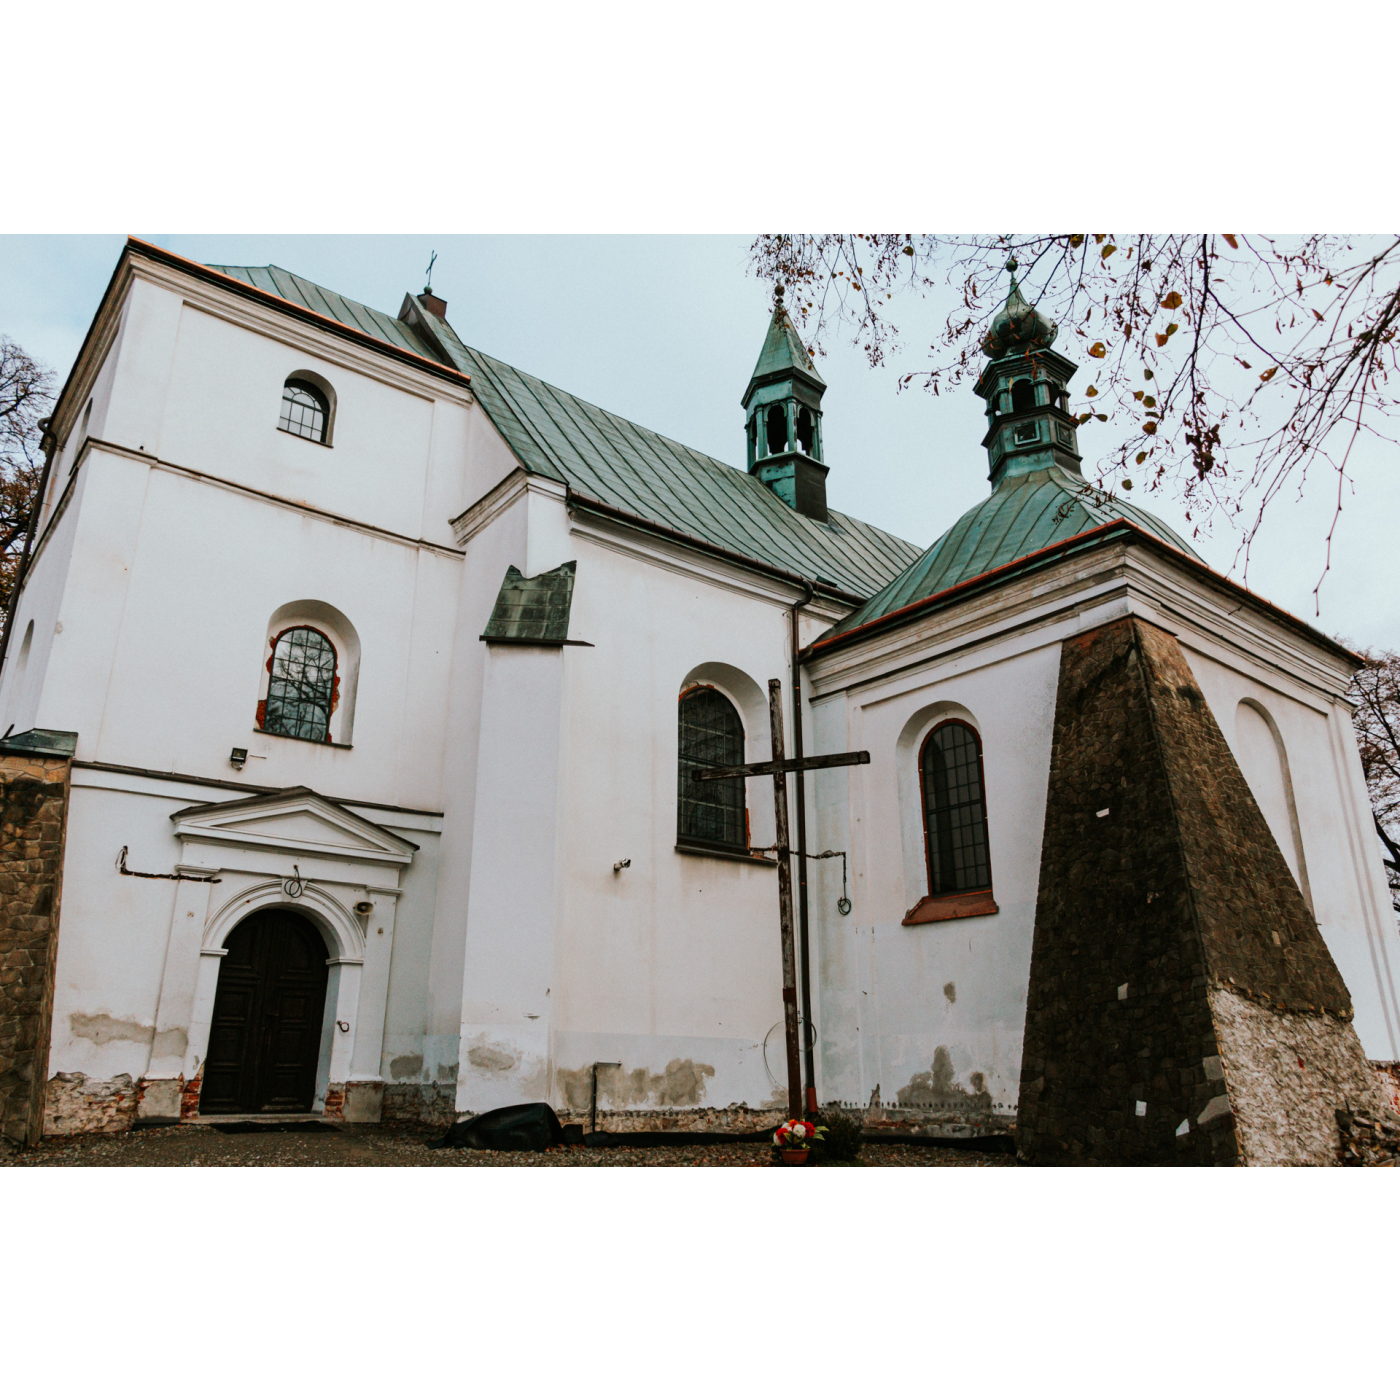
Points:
(96, 445)
(500, 498)
(1073, 596)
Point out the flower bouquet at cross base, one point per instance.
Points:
(794, 1140)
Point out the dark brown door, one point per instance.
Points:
(265, 1038)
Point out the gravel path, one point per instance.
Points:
(375, 1145)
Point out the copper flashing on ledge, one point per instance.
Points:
(933, 909)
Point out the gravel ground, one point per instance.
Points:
(376, 1145)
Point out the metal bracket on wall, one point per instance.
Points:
(843, 905)
(148, 875)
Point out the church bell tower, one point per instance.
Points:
(1025, 384)
(784, 418)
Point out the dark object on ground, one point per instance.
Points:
(842, 1140)
(673, 1139)
(992, 1142)
(242, 1125)
(520, 1127)
(573, 1134)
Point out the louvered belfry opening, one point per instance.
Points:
(711, 736)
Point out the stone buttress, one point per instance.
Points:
(1183, 1007)
(33, 815)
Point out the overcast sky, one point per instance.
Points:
(665, 330)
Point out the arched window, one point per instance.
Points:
(777, 429)
(1022, 396)
(711, 736)
(302, 689)
(955, 812)
(306, 410)
(806, 433)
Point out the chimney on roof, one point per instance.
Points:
(434, 304)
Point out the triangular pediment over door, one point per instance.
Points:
(294, 819)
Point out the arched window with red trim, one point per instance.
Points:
(303, 685)
(955, 811)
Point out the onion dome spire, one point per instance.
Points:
(1018, 326)
(1025, 385)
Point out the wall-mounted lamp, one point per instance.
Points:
(238, 757)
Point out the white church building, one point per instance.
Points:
(382, 668)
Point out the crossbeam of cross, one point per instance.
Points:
(779, 767)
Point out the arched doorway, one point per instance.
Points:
(265, 1035)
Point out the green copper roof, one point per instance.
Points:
(609, 459)
(290, 287)
(533, 609)
(783, 352)
(1023, 515)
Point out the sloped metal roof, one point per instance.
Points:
(1023, 515)
(620, 464)
(783, 350)
(325, 302)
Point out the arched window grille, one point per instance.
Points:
(955, 810)
(1022, 396)
(306, 411)
(711, 736)
(301, 693)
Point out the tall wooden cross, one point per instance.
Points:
(780, 767)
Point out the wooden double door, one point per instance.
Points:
(265, 1037)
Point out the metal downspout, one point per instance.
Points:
(808, 1054)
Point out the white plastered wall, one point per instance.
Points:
(671, 966)
(937, 1009)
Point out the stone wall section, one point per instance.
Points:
(1288, 1074)
(76, 1104)
(33, 818)
(432, 1104)
(1387, 1074)
(1177, 978)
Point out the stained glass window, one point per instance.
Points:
(304, 410)
(955, 813)
(301, 692)
(711, 736)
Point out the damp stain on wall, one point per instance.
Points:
(680, 1084)
(101, 1029)
(406, 1067)
(940, 1087)
(497, 1058)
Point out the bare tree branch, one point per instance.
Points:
(1289, 361)
(1375, 692)
(26, 395)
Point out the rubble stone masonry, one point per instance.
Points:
(33, 811)
(1183, 1007)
